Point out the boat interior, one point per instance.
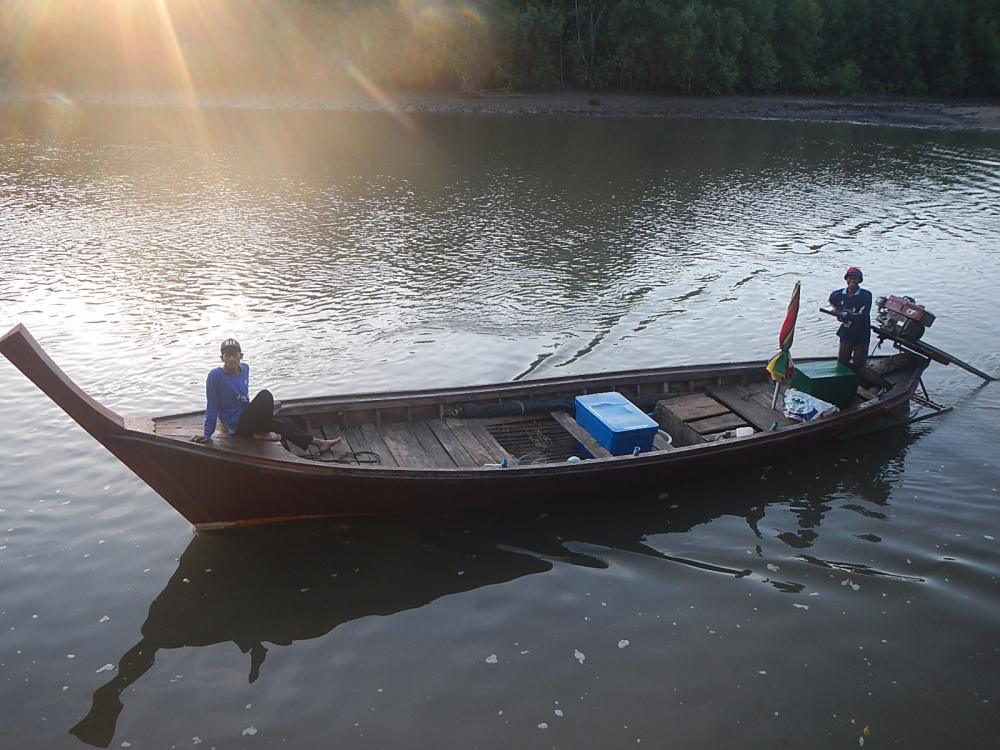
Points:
(524, 423)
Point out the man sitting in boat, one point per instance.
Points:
(853, 306)
(227, 391)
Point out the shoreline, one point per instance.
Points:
(939, 114)
(889, 111)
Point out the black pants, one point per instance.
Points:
(853, 354)
(258, 416)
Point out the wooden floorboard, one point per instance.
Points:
(377, 445)
(711, 425)
(463, 434)
(490, 443)
(695, 406)
(429, 442)
(452, 444)
(404, 445)
(746, 401)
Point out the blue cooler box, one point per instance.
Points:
(615, 422)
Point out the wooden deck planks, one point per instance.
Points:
(377, 445)
(430, 443)
(727, 421)
(471, 443)
(459, 454)
(747, 402)
(695, 406)
(489, 442)
(405, 447)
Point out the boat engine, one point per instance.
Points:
(902, 317)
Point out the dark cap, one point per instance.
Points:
(230, 345)
(854, 271)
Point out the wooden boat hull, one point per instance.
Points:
(215, 488)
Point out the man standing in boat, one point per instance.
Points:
(853, 306)
(227, 392)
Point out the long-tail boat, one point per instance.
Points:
(442, 449)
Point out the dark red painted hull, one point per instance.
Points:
(212, 488)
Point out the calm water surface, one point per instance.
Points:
(837, 600)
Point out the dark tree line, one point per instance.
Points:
(944, 47)
(934, 47)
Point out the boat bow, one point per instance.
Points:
(27, 355)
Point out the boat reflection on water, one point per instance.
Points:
(281, 584)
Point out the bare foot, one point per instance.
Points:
(269, 436)
(325, 445)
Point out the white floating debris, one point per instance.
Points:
(106, 668)
(525, 652)
(70, 656)
(104, 619)
(801, 606)
(196, 740)
(250, 731)
(772, 567)
(761, 671)
(126, 743)
(249, 706)
(543, 725)
(987, 536)
(491, 659)
(622, 643)
(558, 712)
(578, 655)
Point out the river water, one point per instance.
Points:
(829, 601)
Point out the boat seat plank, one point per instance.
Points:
(404, 445)
(585, 438)
(475, 449)
(377, 445)
(451, 443)
(746, 401)
(727, 421)
(695, 406)
(430, 443)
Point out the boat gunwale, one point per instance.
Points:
(302, 407)
(887, 402)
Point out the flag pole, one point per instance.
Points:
(774, 398)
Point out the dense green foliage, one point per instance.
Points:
(945, 47)
(935, 47)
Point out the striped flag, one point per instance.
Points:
(782, 367)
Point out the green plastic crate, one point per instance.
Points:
(830, 381)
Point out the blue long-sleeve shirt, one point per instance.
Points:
(857, 307)
(225, 397)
